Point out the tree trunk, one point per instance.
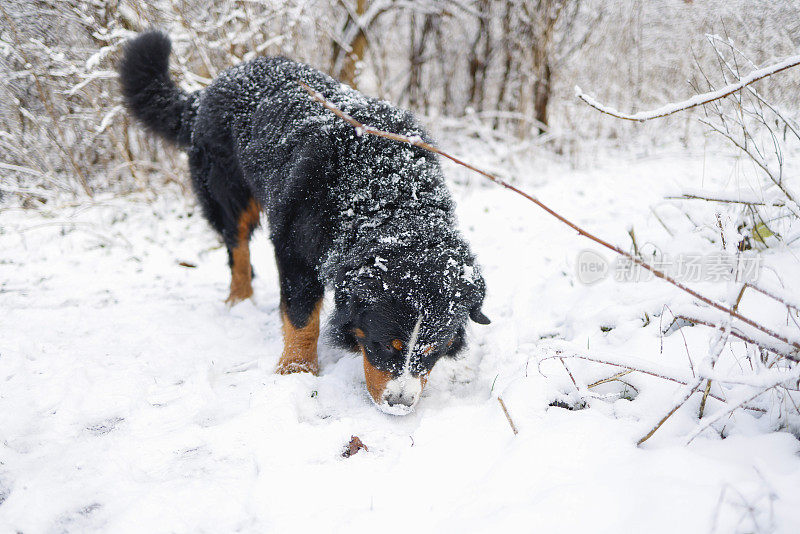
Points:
(541, 96)
(416, 61)
(352, 57)
(507, 62)
(479, 58)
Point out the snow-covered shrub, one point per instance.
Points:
(753, 360)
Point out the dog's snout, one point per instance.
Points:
(396, 395)
(400, 399)
(402, 394)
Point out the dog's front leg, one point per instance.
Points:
(301, 302)
(300, 343)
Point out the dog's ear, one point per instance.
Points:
(342, 315)
(347, 311)
(344, 321)
(475, 312)
(477, 315)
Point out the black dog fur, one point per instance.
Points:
(367, 216)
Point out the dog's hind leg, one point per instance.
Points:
(301, 303)
(239, 253)
(233, 212)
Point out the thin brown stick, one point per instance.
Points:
(685, 343)
(690, 389)
(646, 372)
(697, 100)
(723, 413)
(690, 196)
(660, 220)
(609, 379)
(722, 235)
(703, 400)
(773, 296)
(756, 157)
(739, 335)
(508, 416)
(363, 129)
(569, 373)
(789, 396)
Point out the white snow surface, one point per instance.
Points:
(133, 400)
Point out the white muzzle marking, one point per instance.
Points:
(402, 393)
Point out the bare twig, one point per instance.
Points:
(610, 378)
(658, 218)
(715, 350)
(713, 40)
(703, 400)
(685, 343)
(757, 158)
(687, 393)
(508, 416)
(773, 296)
(364, 129)
(740, 335)
(728, 411)
(569, 373)
(649, 372)
(778, 203)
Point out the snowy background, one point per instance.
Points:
(132, 399)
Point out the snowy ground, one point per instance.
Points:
(133, 400)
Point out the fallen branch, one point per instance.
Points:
(704, 399)
(716, 349)
(731, 408)
(655, 371)
(508, 416)
(767, 378)
(763, 344)
(613, 378)
(627, 362)
(691, 196)
(687, 393)
(783, 300)
(416, 141)
(696, 100)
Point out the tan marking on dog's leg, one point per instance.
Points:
(241, 272)
(376, 379)
(241, 275)
(300, 344)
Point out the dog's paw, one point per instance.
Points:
(236, 297)
(288, 368)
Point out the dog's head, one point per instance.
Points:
(404, 311)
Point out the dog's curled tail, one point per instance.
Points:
(150, 94)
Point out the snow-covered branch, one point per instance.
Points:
(696, 100)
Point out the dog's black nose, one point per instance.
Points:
(404, 400)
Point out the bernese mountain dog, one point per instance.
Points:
(367, 217)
